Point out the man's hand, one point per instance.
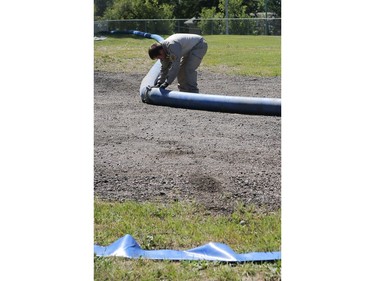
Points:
(164, 85)
(161, 85)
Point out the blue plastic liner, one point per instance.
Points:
(129, 248)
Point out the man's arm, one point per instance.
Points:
(175, 53)
(165, 65)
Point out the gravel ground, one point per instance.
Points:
(161, 154)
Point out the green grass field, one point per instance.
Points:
(180, 226)
(231, 54)
(244, 55)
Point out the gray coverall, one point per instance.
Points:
(184, 53)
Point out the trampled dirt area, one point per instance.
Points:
(155, 153)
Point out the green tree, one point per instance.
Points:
(100, 6)
(209, 26)
(138, 9)
(236, 9)
(181, 9)
(275, 6)
(271, 6)
(252, 6)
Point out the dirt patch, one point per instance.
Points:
(155, 153)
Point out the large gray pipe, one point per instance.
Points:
(219, 103)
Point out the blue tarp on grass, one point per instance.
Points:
(129, 248)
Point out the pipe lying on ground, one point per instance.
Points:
(219, 103)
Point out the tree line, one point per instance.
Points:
(183, 9)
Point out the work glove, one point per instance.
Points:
(164, 85)
(157, 85)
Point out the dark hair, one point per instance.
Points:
(154, 50)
